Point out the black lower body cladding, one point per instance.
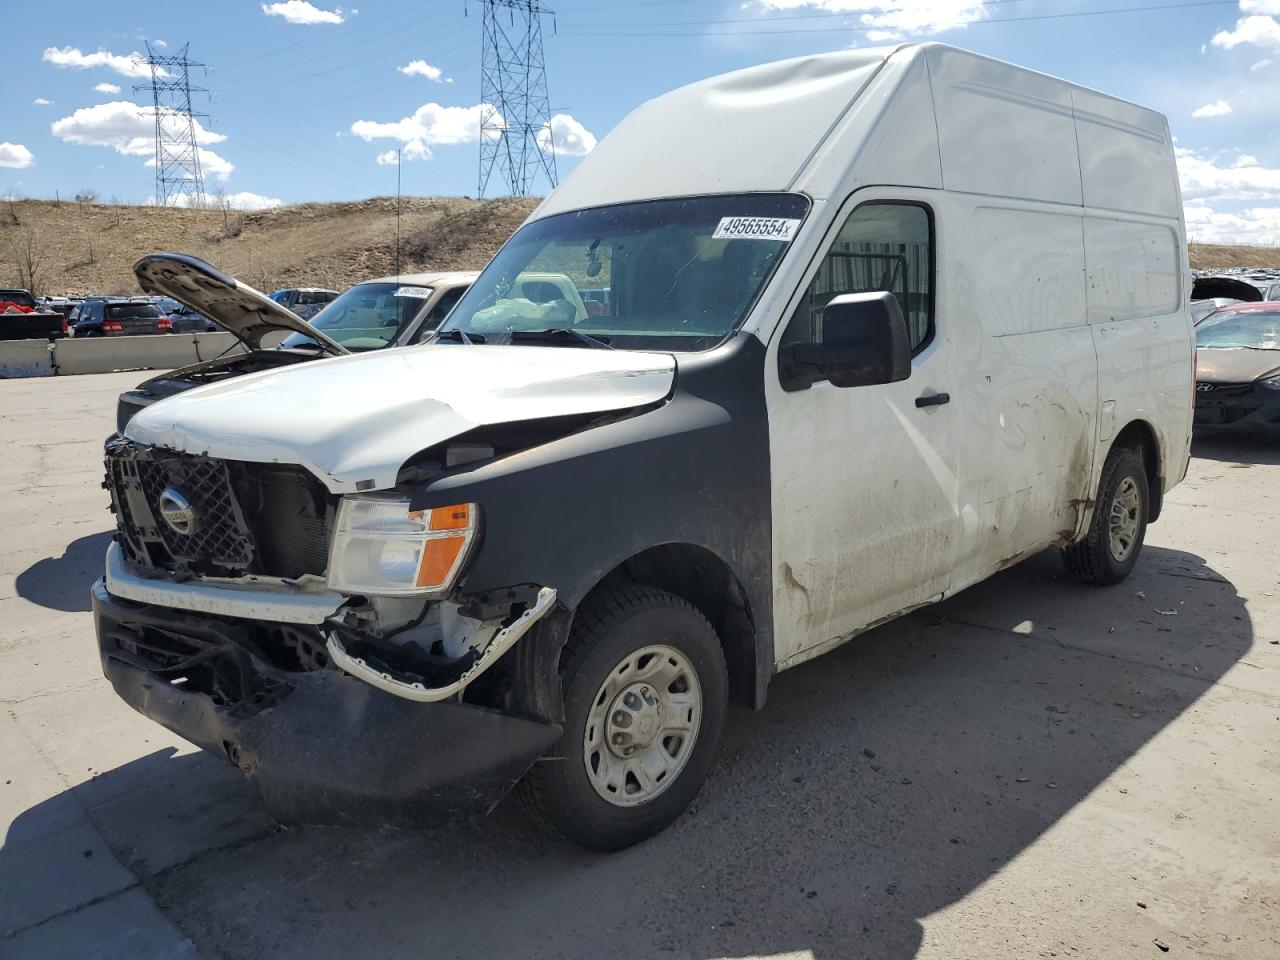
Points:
(1238, 408)
(320, 746)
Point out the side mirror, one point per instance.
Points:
(864, 342)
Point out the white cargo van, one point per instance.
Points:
(795, 350)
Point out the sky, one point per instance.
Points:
(309, 101)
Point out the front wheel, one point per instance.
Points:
(645, 693)
(1110, 551)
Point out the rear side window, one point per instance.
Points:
(133, 311)
(884, 246)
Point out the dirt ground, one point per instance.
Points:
(1032, 768)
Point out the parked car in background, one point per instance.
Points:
(392, 311)
(183, 319)
(389, 311)
(306, 302)
(119, 317)
(23, 318)
(1238, 369)
(1225, 288)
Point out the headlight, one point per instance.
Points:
(1272, 383)
(382, 547)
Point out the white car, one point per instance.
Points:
(842, 335)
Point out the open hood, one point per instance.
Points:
(1206, 288)
(353, 421)
(246, 312)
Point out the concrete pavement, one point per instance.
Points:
(1032, 768)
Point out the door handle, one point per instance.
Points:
(933, 400)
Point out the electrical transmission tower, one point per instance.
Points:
(177, 153)
(515, 132)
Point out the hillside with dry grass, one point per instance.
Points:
(88, 248)
(1222, 256)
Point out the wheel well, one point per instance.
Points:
(1139, 436)
(702, 578)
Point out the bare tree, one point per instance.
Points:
(26, 246)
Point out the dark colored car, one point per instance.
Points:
(22, 318)
(102, 317)
(1238, 368)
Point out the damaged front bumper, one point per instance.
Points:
(320, 746)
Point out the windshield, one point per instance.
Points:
(368, 316)
(133, 311)
(1254, 329)
(659, 275)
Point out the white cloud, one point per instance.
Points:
(1260, 65)
(130, 130)
(16, 156)
(891, 19)
(420, 68)
(107, 88)
(252, 201)
(237, 201)
(299, 11)
(430, 125)
(567, 136)
(413, 150)
(159, 43)
(129, 64)
(1260, 6)
(1219, 108)
(1257, 225)
(41, 102)
(1245, 179)
(1256, 30)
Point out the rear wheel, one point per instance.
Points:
(1110, 550)
(645, 692)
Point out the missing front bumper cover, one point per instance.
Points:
(329, 749)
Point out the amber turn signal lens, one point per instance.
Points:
(438, 559)
(456, 517)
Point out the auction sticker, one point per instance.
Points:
(422, 292)
(755, 228)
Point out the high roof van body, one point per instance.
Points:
(793, 351)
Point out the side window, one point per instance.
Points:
(437, 313)
(883, 246)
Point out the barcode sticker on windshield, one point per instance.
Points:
(422, 292)
(755, 228)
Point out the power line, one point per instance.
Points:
(515, 109)
(177, 153)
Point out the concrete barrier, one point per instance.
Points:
(36, 358)
(25, 358)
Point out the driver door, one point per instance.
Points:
(866, 498)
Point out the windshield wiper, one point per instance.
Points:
(559, 335)
(459, 336)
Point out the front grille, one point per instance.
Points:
(250, 518)
(220, 534)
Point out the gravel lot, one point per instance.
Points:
(1031, 769)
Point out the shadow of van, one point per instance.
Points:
(882, 783)
(62, 583)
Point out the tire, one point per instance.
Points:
(627, 643)
(1100, 558)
